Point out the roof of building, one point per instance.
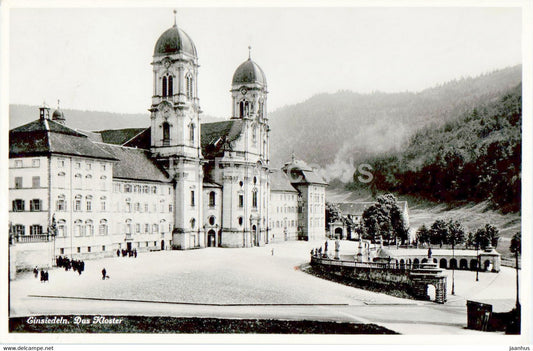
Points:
(174, 41)
(357, 208)
(211, 185)
(44, 137)
(135, 164)
(215, 135)
(279, 181)
(119, 136)
(249, 72)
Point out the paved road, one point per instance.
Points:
(250, 279)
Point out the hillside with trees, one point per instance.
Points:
(344, 128)
(472, 158)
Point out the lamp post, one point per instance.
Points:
(477, 262)
(453, 267)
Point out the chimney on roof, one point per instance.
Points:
(44, 111)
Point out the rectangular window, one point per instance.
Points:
(137, 207)
(78, 249)
(145, 207)
(60, 205)
(77, 165)
(35, 205)
(147, 228)
(18, 182)
(88, 166)
(137, 228)
(241, 200)
(61, 251)
(77, 205)
(18, 205)
(170, 208)
(36, 229)
(18, 163)
(192, 197)
(102, 205)
(88, 249)
(61, 163)
(89, 205)
(102, 168)
(35, 163)
(103, 247)
(36, 182)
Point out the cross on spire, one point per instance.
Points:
(58, 104)
(249, 52)
(175, 12)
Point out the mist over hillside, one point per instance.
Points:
(335, 131)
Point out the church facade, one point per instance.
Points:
(177, 184)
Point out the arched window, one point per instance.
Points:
(191, 133)
(61, 180)
(103, 182)
(170, 86)
(61, 228)
(77, 203)
(89, 202)
(166, 134)
(212, 199)
(193, 223)
(102, 230)
(164, 87)
(88, 180)
(188, 82)
(89, 228)
(254, 198)
(241, 109)
(77, 181)
(78, 228)
(128, 226)
(103, 203)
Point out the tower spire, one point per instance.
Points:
(175, 12)
(249, 52)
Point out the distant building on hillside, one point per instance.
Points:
(351, 212)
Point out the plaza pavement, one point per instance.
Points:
(245, 283)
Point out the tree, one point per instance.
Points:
(423, 235)
(455, 234)
(333, 213)
(487, 235)
(384, 219)
(438, 232)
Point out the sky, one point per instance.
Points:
(99, 58)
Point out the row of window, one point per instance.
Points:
(138, 189)
(35, 182)
(78, 182)
(35, 163)
(285, 223)
(166, 133)
(20, 229)
(167, 86)
(18, 205)
(290, 209)
(90, 249)
(78, 165)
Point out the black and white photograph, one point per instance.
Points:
(233, 172)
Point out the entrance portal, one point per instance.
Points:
(211, 238)
(128, 246)
(162, 244)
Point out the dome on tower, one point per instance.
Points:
(249, 72)
(58, 114)
(174, 41)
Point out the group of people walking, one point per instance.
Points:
(127, 253)
(43, 274)
(65, 262)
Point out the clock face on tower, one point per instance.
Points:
(244, 90)
(166, 111)
(166, 63)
